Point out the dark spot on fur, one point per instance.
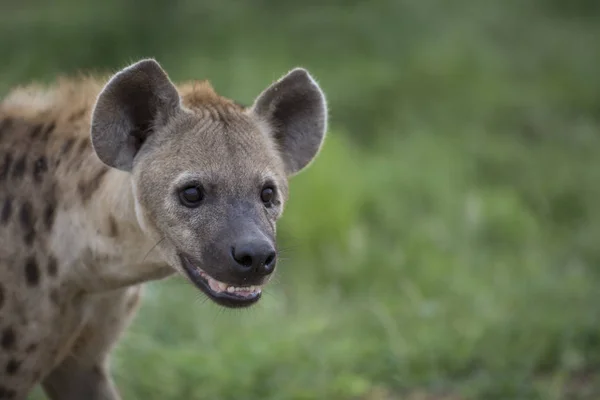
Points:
(35, 132)
(77, 115)
(77, 297)
(87, 189)
(27, 222)
(37, 375)
(8, 159)
(84, 144)
(50, 207)
(12, 366)
(1, 296)
(49, 212)
(52, 266)
(26, 216)
(6, 210)
(29, 237)
(49, 129)
(113, 228)
(66, 147)
(31, 348)
(8, 339)
(6, 393)
(40, 166)
(5, 125)
(20, 166)
(32, 272)
(98, 371)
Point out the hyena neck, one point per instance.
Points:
(114, 251)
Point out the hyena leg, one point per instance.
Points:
(71, 380)
(84, 373)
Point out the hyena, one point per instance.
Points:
(110, 183)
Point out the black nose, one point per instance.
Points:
(256, 257)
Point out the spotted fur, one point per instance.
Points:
(81, 214)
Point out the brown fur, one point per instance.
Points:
(77, 237)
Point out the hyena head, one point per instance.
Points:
(209, 177)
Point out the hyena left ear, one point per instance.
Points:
(295, 110)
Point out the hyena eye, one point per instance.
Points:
(267, 195)
(191, 196)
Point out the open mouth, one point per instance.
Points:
(221, 293)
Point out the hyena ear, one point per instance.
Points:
(295, 109)
(133, 104)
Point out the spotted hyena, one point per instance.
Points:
(106, 184)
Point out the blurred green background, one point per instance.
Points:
(445, 245)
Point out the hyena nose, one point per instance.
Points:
(256, 257)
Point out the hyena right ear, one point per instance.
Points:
(133, 104)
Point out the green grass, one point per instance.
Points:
(446, 240)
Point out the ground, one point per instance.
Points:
(445, 246)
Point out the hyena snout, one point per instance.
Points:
(254, 257)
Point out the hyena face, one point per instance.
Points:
(210, 178)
